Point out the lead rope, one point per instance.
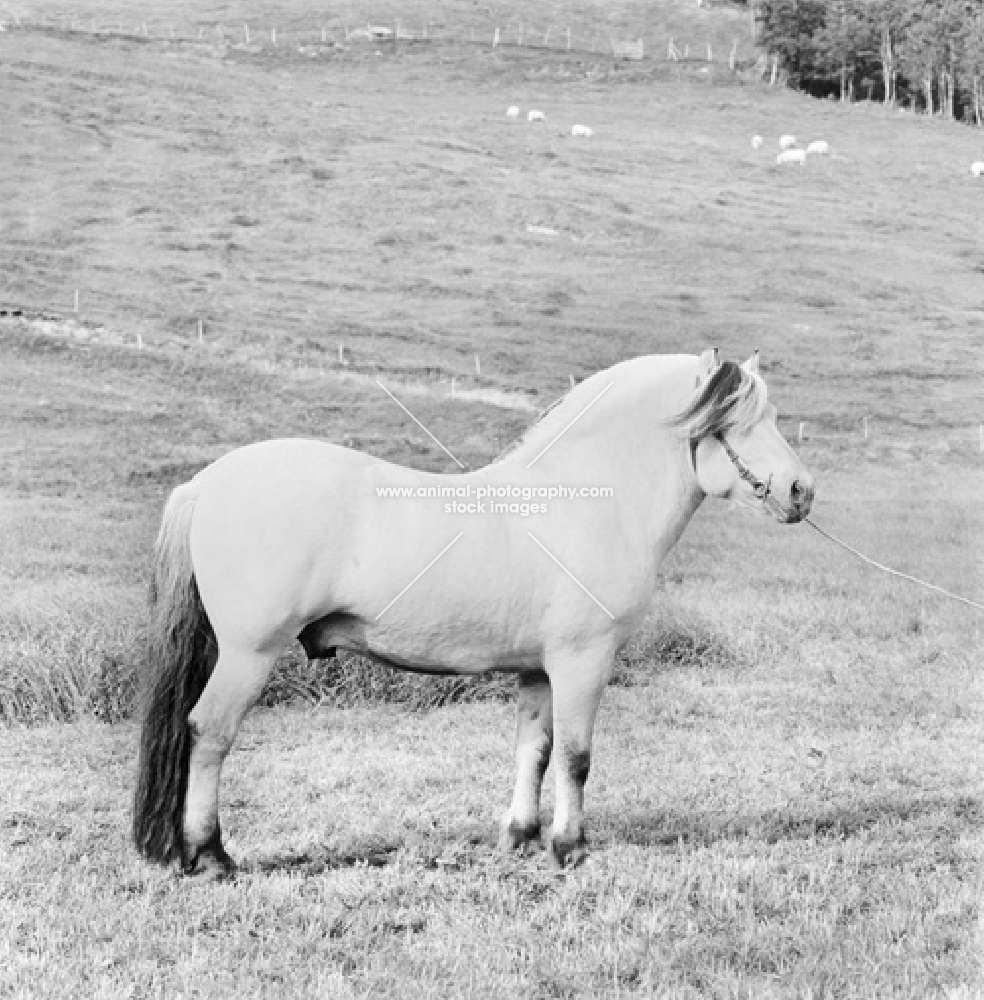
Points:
(763, 491)
(888, 569)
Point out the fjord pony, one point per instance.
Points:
(292, 539)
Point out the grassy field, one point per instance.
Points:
(786, 800)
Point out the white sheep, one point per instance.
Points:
(513, 112)
(756, 141)
(786, 141)
(818, 147)
(792, 156)
(581, 130)
(977, 168)
(536, 116)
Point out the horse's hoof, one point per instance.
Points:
(514, 836)
(211, 868)
(210, 860)
(564, 853)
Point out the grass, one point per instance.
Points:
(731, 856)
(785, 799)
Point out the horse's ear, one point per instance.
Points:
(752, 364)
(708, 364)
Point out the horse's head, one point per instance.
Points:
(738, 452)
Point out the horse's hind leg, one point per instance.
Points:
(234, 686)
(534, 739)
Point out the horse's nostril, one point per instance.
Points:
(800, 494)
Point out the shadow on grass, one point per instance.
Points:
(666, 828)
(319, 860)
(463, 848)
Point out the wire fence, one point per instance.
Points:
(308, 38)
(872, 432)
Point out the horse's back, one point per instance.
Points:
(297, 458)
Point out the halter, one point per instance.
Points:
(762, 490)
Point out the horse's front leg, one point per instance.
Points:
(578, 680)
(534, 740)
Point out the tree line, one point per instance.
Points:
(926, 53)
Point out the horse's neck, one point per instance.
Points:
(625, 441)
(639, 392)
(660, 473)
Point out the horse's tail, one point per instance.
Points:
(181, 655)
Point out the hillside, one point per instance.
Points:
(384, 203)
(785, 797)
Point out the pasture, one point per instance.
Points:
(786, 796)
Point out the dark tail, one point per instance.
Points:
(181, 656)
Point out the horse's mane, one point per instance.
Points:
(521, 440)
(733, 399)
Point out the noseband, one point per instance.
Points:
(762, 490)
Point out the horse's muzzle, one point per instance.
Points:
(800, 499)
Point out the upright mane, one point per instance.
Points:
(732, 399)
(521, 440)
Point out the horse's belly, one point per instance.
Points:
(423, 651)
(460, 661)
